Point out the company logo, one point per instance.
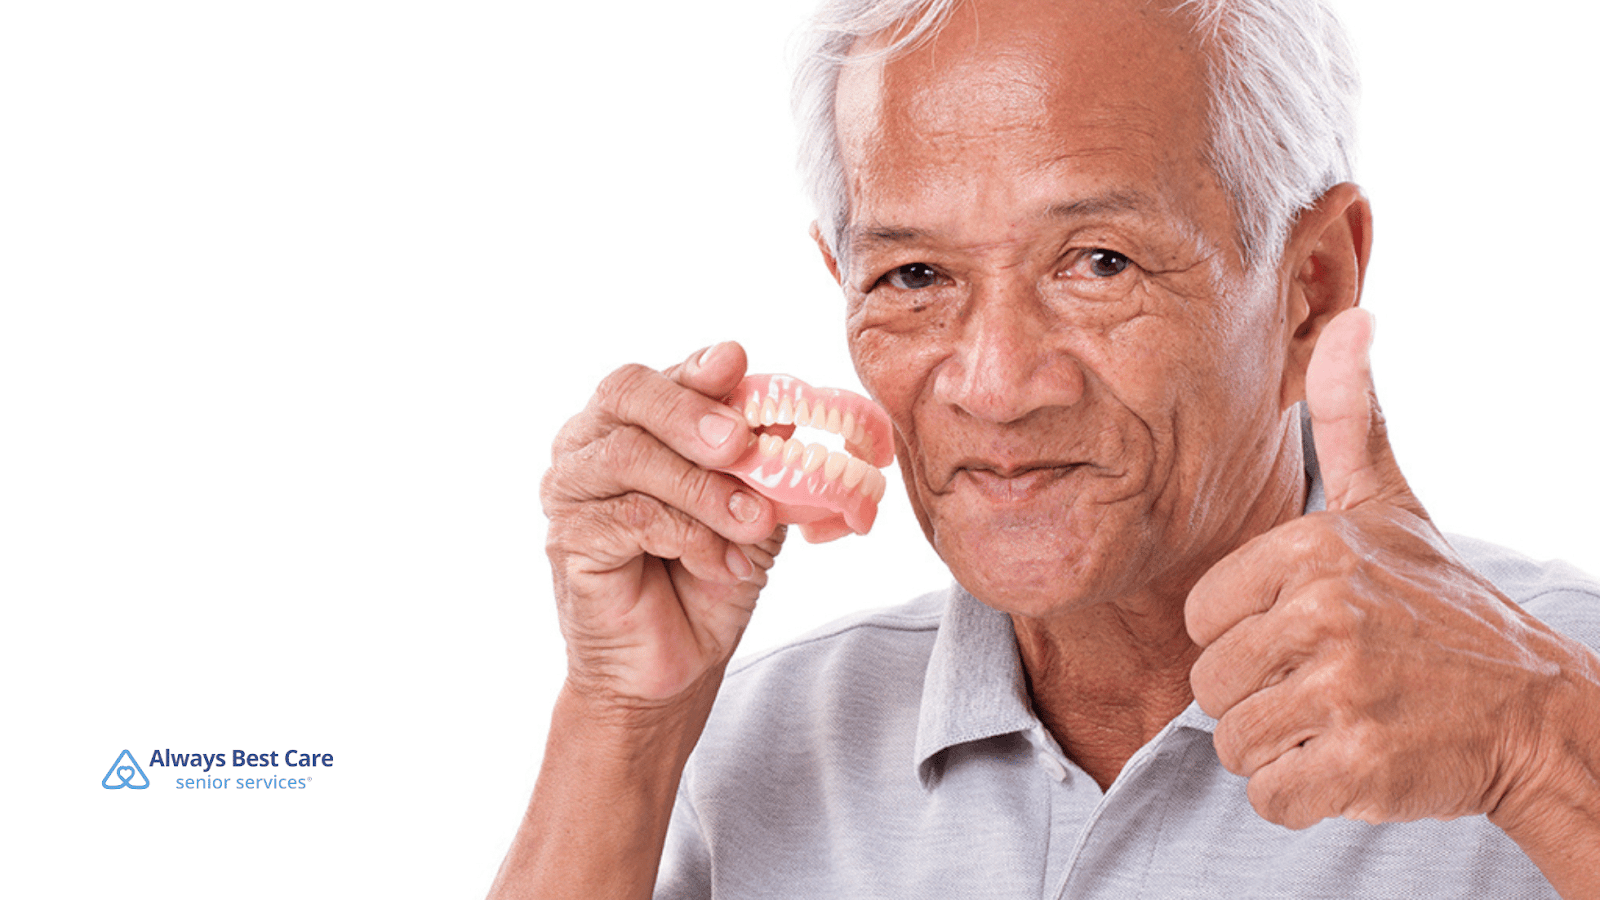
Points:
(125, 773)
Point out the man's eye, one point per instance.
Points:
(912, 277)
(1102, 263)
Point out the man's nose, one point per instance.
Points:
(1004, 365)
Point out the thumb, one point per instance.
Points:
(1346, 423)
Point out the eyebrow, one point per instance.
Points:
(1119, 201)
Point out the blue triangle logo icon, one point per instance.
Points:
(125, 773)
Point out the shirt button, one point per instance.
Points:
(1053, 767)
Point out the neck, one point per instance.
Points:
(1107, 678)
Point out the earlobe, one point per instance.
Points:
(1324, 265)
(827, 254)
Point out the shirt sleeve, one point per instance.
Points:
(685, 872)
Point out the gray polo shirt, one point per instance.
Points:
(896, 754)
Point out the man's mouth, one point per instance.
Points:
(1008, 484)
(828, 493)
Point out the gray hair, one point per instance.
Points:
(1282, 86)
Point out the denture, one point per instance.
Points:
(829, 494)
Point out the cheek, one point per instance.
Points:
(892, 367)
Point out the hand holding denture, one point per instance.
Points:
(829, 494)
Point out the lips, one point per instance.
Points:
(1016, 485)
(827, 493)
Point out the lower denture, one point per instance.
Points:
(828, 494)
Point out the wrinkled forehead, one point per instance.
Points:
(1013, 73)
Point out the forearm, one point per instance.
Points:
(1555, 818)
(599, 813)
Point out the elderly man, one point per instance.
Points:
(1096, 253)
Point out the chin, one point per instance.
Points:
(1035, 572)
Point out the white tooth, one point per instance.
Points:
(769, 412)
(752, 413)
(819, 416)
(785, 412)
(854, 471)
(802, 413)
(847, 425)
(875, 484)
(816, 454)
(771, 444)
(833, 420)
(833, 467)
(792, 449)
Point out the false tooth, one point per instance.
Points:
(752, 413)
(792, 449)
(769, 412)
(833, 420)
(875, 485)
(802, 413)
(854, 471)
(834, 465)
(771, 444)
(785, 412)
(815, 455)
(859, 436)
(847, 425)
(819, 416)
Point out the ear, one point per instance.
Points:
(827, 254)
(1324, 264)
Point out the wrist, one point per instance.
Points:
(625, 727)
(1551, 805)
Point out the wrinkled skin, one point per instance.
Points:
(1092, 400)
(1092, 397)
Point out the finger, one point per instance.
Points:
(1257, 653)
(1264, 726)
(765, 552)
(693, 424)
(1252, 579)
(714, 371)
(628, 459)
(1347, 425)
(603, 536)
(1304, 785)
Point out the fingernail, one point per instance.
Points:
(715, 430)
(744, 507)
(739, 564)
(697, 360)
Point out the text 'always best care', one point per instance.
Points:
(205, 762)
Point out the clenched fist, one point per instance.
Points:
(1356, 666)
(657, 560)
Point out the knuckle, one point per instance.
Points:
(622, 383)
(1319, 536)
(1228, 744)
(698, 488)
(550, 492)
(571, 436)
(636, 512)
(1329, 612)
(622, 450)
(1267, 800)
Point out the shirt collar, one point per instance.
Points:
(975, 687)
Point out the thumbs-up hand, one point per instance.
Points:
(1357, 666)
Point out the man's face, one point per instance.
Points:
(1045, 292)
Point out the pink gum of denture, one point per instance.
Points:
(828, 494)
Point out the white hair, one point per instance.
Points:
(1282, 90)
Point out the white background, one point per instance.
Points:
(296, 294)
